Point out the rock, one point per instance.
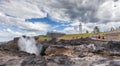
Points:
(3, 65)
(81, 55)
(75, 52)
(106, 62)
(113, 47)
(95, 48)
(53, 41)
(34, 61)
(115, 63)
(43, 50)
(13, 62)
(55, 50)
(9, 47)
(59, 60)
(86, 48)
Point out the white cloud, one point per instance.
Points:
(81, 10)
(69, 30)
(21, 9)
(37, 26)
(24, 28)
(66, 10)
(109, 10)
(12, 32)
(90, 26)
(8, 34)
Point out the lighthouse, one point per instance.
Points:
(80, 28)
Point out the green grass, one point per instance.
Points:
(42, 38)
(103, 33)
(70, 36)
(84, 35)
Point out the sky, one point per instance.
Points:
(36, 17)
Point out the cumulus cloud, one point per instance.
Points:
(37, 26)
(14, 13)
(84, 10)
(80, 10)
(8, 34)
(109, 11)
(66, 10)
(20, 9)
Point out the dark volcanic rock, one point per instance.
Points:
(43, 48)
(34, 61)
(113, 47)
(56, 50)
(81, 55)
(73, 42)
(59, 60)
(76, 52)
(9, 47)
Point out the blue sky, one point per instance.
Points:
(54, 24)
(36, 17)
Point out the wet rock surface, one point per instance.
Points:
(76, 52)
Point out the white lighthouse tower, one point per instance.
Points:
(80, 28)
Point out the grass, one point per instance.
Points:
(42, 38)
(70, 36)
(83, 35)
(103, 33)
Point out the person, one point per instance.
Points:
(99, 36)
(103, 37)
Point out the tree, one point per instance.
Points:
(87, 31)
(96, 29)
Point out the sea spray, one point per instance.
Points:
(28, 44)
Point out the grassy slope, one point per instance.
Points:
(84, 35)
(71, 36)
(42, 38)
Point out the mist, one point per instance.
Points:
(28, 44)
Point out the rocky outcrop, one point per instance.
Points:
(34, 61)
(56, 50)
(9, 59)
(59, 60)
(113, 47)
(77, 52)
